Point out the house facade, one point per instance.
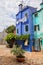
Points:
(30, 21)
(24, 19)
(38, 27)
(24, 24)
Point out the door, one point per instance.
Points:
(37, 45)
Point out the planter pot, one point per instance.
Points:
(9, 46)
(20, 59)
(20, 42)
(10, 43)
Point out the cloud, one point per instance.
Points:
(8, 10)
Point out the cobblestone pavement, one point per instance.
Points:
(6, 58)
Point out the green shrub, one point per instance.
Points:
(11, 36)
(10, 39)
(10, 29)
(22, 37)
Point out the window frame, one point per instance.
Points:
(35, 27)
(26, 14)
(36, 14)
(25, 28)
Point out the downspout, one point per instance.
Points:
(21, 23)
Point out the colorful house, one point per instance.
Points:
(30, 21)
(24, 24)
(38, 28)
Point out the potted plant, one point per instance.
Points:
(18, 51)
(21, 39)
(10, 39)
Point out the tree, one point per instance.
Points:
(11, 29)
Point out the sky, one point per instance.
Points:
(9, 9)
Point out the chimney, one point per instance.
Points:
(20, 7)
(41, 4)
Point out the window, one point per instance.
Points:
(36, 27)
(36, 14)
(17, 31)
(26, 14)
(26, 28)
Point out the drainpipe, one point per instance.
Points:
(21, 23)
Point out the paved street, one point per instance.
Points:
(6, 58)
(4, 51)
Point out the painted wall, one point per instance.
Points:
(25, 23)
(21, 26)
(39, 20)
(36, 21)
(18, 16)
(18, 26)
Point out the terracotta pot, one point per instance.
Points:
(22, 59)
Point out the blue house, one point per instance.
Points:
(24, 24)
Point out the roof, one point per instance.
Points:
(27, 7)
(41, 3)
(38, 11)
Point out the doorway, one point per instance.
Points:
(37, 45)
